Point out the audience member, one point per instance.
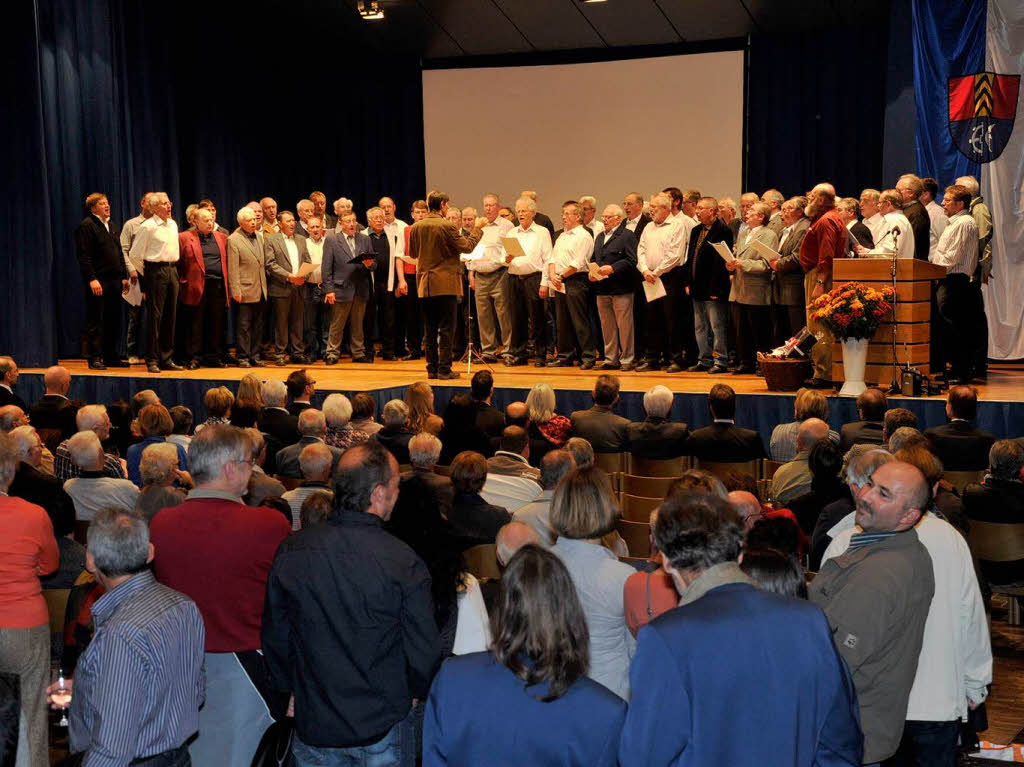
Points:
(421, 491)
(775, 532)
(419, 398)
(218, 402)
(657, 437)
(511, 538)
(218, 552)
(159, 472)
(261, 485)
(181, 425)
(747, 505)
(518, 414)
(649, 593)
(532, 681)
(472, 517)
(723, 440)
(326, 576)
(8, 379)
(959, 444)
(871, 406)
(809, 403)
(316, 508)
(395, 435)
(313, 429)
(999, 500)
(784, 644)
(582, 511)
(316, 461)
(275, 420)
(489, 419)
(512, 457)
(36, 486)
(876, 594)
(537, 513)
(54, 412)
(896, 418)
(93, 418)
(93, 490)
(603, 429)
(248, 402)
(340, 432)
(548, 430)
(775, 571)
(825, 463)
(793, 478)
(460, 432)
(301, 387)
(581, 451)
(363, 409)
(154, 423)
(945, 503)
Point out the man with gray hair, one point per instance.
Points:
(999, 500)
(793, 478)
(247, 283)
(304, 211)
(275, 420)
(92, 489)
(662, 248)
(8, 378)
(613, 283)
(261, 485)
(394, 435)
(656, 436)
(421, 491)
(773, 198)
(312, 427)
(526, 307)
(590, 220)
(140, 683)
(567, 278)
(537, 513)
(488, 277)
(218, 551)
(316, 461)
(904, 437)
(37, 486)
(92, 418)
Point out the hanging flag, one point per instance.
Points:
(982, 108)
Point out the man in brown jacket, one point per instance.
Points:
(436, 244)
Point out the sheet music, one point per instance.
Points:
(134, 294)
(723, 250)
(770, 253)
(654, 290)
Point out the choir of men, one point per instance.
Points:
(649, 285)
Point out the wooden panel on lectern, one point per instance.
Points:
(906, 291)
(905, 332)
(907, 270)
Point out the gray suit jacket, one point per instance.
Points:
(604, 430)
(279, 266)
(247, 276)
(752, 283)
(510, 466)
(788, 281)
(287, 461)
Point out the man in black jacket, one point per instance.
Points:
(489, 419)
(723, 440)
(101, 261)
(656, 436)
(615, 257)
(708, 287)
(54, 411)
(910, 187)
(368, 596)
(959, 444)
(871, 406)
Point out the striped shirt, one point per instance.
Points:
(141, 680)
(298, 496)
(64, 468)
(958, 245)
(860, 540)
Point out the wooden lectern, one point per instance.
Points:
(913, 321)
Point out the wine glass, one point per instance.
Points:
(61, 697)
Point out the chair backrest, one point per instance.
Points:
(647, 486)
(404, 467)
(996, 541)
(444, 471)
(961, 479)
(721, 469)
(637, 536)
(611, 462)
(636, 508)
(482, 561)
(658, 467)
(769, 468)
(290, 483)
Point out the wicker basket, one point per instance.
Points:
(784, 374)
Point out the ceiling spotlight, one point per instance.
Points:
(370, 10)
(587, 2)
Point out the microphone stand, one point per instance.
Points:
(894, 383)
(471, 353)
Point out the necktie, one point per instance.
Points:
(352, 245)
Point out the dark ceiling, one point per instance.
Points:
(439, 30)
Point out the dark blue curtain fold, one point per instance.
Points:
(949, 41)
(816, 108)
(196, 99)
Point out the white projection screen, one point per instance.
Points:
(605, 129)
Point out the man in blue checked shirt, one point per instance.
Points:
(140, 682)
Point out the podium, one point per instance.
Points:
(912, 324)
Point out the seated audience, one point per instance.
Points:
(649, 593)
(27, 550)
(537, 513)
(582, 511)
(8, 378)
(581, 451)
(248, 403)
(783, 644)
(906, 436)
(160, 474)
(181, 425)
(600, 426)
(312, 428)
(54, 412)
(275, 420)
(723, 440)
(697, 480)
(793, 478)
(154, 424)
(37, 486)
(121, 415)
(1000, 499)
(218, 402)
(518, 414)
(959, 444)
(340, 432)
(460, 432)
(511, 481)
(316, 462)
(261, 484)
(775, 571)
(363, 409)
(419, 398)
(656, 436)
(301, 388)
(748, 506)
(434, 425)
(511, 538)
(395, 434)
(896, 418)
(490, 420)
(871, 406)
(11, 417)
(92, 490)
(218, 552)
(548, 430)
(532, 681)
(421, 491)
(825, 463)
(316, 508)
(93, 418)
(809, 403)
(945, 502)
(472, 517)
(777, 532)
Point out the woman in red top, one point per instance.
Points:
(27, 550)
(545, 423)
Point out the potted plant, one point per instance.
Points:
(853, 312)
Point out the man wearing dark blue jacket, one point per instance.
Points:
(779, 694)
(615, 258)
(349, 259)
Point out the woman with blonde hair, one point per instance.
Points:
(218, 402)
(419, 398)
(548, 430)
(248, 401)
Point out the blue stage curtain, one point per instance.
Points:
(949, 41)
(196, 99)
(816, 108)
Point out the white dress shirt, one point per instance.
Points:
(511, 493)
(293, 253)
(633, 223)
(316, 257)
(904, 241)
(596, 226)
(155, 242)
(536, 243)
(939, 222)
(786, 230)
(958, 246)
(493, 252)
(128, 233)
(877, 226)
(573, 248)
(660, 247)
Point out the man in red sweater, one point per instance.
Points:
(824, 241)
(218, 551)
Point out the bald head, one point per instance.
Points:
(894, 499)
(517, 414)
(11, 417)
(57, 380)
(811, 430)
(513, 537)
(746, 505)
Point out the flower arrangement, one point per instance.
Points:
(852, 310)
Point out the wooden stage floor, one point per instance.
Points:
(1005, 382)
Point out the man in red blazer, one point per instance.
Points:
(203, 274)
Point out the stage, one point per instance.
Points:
(1001, 407)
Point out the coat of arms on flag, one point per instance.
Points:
(982, 109)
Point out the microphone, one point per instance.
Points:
(895, 230)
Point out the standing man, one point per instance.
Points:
(349, 260)
(708, 287)
(140, 682)
(203, 275)
(615, 257)
(983, 219)
(382, 297)
(526, 307)
(247, 282)
(541, 218)
(435, 244)
(590, 219)
(285, 255)
(316, 318)
(103, 271)
(898, 233)
(489, 278)
(408, 330)
(155, 254)
(788, 280)
(910, 188)
(825, 240)
(872, 216)
(133, 335)
(359, 711)
(567, 277)
(636, 220)
(269, 207)
(936, 215)
(774, 199)
(319, 200)
(304, 209)
(746, 200)
(658, 254)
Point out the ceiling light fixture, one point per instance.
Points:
(587, 2)
(370, 10)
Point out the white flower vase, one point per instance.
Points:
(855, 359)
